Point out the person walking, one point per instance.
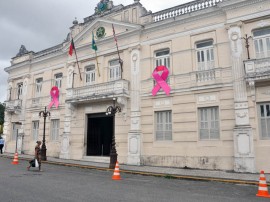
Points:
(37, 157)
(2, 143)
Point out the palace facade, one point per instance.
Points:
(216, 116)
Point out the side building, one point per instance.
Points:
(216, 115)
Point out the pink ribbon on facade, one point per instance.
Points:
(55, 95)
(161, 80)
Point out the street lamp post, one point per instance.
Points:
(247, 44)
(112, 110)
(45, 114)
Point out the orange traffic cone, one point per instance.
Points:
(116, 174)
(263, 190)
(15, 160)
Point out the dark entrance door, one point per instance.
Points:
(99, 135)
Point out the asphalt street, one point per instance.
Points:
(64, 184)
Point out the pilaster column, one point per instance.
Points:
(134, 135)
(7, 129)
(65, 139)
(243, 135)
(22, 114)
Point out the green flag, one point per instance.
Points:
(94, 45)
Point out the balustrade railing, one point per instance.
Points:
(13, 105)
(97, 90)
(45, 100)
(184, 9)
(206, 75)
(257, 68)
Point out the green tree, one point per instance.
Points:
(2, 117)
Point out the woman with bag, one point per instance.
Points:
(37, 161)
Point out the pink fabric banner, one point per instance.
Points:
(161, 80)
(55, 95)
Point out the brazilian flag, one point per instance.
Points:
(94, 45)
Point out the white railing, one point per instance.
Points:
(99, 90)
(257, 68)
(13, 105)
(206, 75)
(184, 9)
(45, 101)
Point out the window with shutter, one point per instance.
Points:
(264, 118)
(205, 55)
(163, 125)
(209, 123)
(55, 129)
(90, 75)
(262, 42)
(35, 129)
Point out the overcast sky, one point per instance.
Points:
(40, 24)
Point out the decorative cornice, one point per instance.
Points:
(235, 4)
(179, 20)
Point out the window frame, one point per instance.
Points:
(164, 124)
(38, 87)
(55, 131)
(205, 53)
(90, 74)
(19, 90)
(114, 70)
(267, 137)
(164, 59)
(35, 130)
(208, 120)
(261, 43)
(58, 81)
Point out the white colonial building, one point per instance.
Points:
(216, 116)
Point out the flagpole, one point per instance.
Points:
(120, 60)
(78, 63)
(97, 64)
(94, 47)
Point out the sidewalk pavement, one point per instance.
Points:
(174, 173)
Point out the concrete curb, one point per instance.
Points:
(169, 176)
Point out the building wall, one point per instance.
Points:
(191, 89)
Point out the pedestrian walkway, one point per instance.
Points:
(179, 173)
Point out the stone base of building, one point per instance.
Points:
(134, 145)
(244, 165)
(244, 160)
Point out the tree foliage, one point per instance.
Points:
(2, 113)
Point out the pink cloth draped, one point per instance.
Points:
(161, 80)
(55, 95)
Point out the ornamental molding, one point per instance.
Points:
(262, 24)
(235, 4)
(243, 105)
(169, 37)
(100, 22)
(182, 19)
(242, 114)
(162, 103)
